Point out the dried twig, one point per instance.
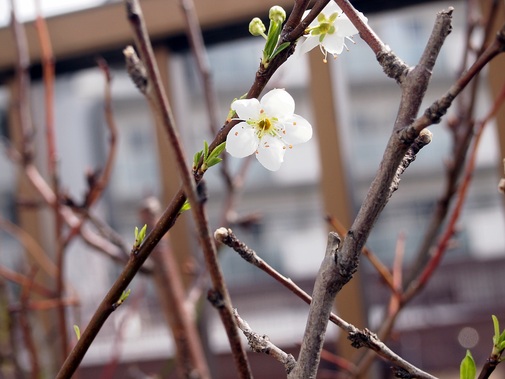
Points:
(227, 237)
(262, 344)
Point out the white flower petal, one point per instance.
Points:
(271, 152)
(296, 130)
(333, 43)
(278, 103)
(242, 140)
(344, 27)
(331, 8)
(308, 44)
(247, 109)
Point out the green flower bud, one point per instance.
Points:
(277, 14)
(256, 27)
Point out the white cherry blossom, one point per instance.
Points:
(329, 30)
(268, 128)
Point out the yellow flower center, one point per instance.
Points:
(264, 125)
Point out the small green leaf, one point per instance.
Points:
(279, 48)
(217, 150)
(123, 297)
(142, 233)
(274, 32)
(205, 149)
(496, 325)
(185, 207)
(467, 368)
(77, 332)
(213, 161)
(196, 158)
(501, 346)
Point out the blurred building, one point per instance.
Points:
(291, 235)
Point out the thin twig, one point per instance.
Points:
(22, 100)
(97, 186)
(262, 344)
(195, 36)
(416, 285)
(227, 237)
(392, 65)
(167, 219)
(157, 97)
(434, 113)
(23, 280)
(36, 252)
(26, 329)
(190, 357)
(52, 158)
(462, 130)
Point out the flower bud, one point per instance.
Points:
(256, 27)
(277, 14)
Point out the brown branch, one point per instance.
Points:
(52, 157)
(383, 271)
(295, 25)
(338, 268)
(462, 128)
(22, 102)
(190, 358)
(195, 36)
(23, 280)
(46, 304)
(420, 282)
(262, 344)
(166, 221)
(227, 237)
(434, 113)
(26, 330)
(97, 186)
(37, 253)
(157, 97)
(415, 285)
(392, 65)
(9, 369)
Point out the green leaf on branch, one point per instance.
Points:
(279, 48)
(498, 338)
(274, 32)
(185, 207)
(77, 332)
(205, 150)
(123, 297)
(467, 368)
(496, 325)
(217, 151)
(140, 235)
(210, 158)
(196, 159)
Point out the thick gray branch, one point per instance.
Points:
(337, 269)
